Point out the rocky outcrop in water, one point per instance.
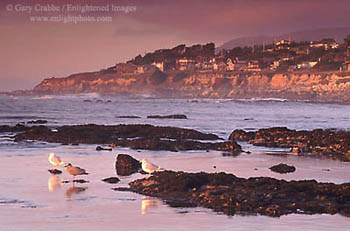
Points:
(17, 128)
(37, 122)
(175, 116)
(135, 136)
(231, 195)
(179, 145)
(111, 180)
(322, 143)
(99, 148)
(282, 168)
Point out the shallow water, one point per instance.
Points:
(33, 199)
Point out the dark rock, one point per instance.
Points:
(241, 135)
(37, 122)
(122, 189)
(129, 117)
(126, 165)
(178, 145)
(329, 144)
(231, 195)
(81, 181)
(18, 128)
(55, 171)
(282, 168)
(111, 180)
(175, 116)
(104, 134)
(99, 148)
(87, 101)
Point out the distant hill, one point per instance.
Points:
(307, 35)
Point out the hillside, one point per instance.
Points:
(306, 35)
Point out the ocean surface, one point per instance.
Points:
(33, 199)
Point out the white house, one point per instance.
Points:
(307, 65)
(185, 63)
(159, 65)
(230, 65)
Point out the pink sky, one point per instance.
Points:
(32, 51)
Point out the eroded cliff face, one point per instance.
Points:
(299, 86)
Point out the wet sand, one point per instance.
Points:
(32, 199)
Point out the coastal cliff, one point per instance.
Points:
(324, 87)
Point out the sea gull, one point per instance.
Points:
(75, 171)
(149, 167)
(55, 161)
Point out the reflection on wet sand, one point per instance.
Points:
(75, 190)
(147, 203)
(54, 182)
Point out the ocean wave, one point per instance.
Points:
(69, 96)
(262, 100)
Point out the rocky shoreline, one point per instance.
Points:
(316, 143)
(231, 195)
(138, 136)
(330, 144)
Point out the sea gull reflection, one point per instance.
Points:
(75, 190)
(147, 203)
(54, 182)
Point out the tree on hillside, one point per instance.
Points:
(347, 40)
(347, 43)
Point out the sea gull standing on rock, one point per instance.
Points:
(55, 161)
(149, 168)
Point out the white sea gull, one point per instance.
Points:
(55, 160)
(75, 171)
(149, 167)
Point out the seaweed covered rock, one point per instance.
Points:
(321, 143)
(282, 168)
(257, 195)
(37, 122)
(105, 134)
(175, 116)
(135, 136)
(178, 145)
(17, 128)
